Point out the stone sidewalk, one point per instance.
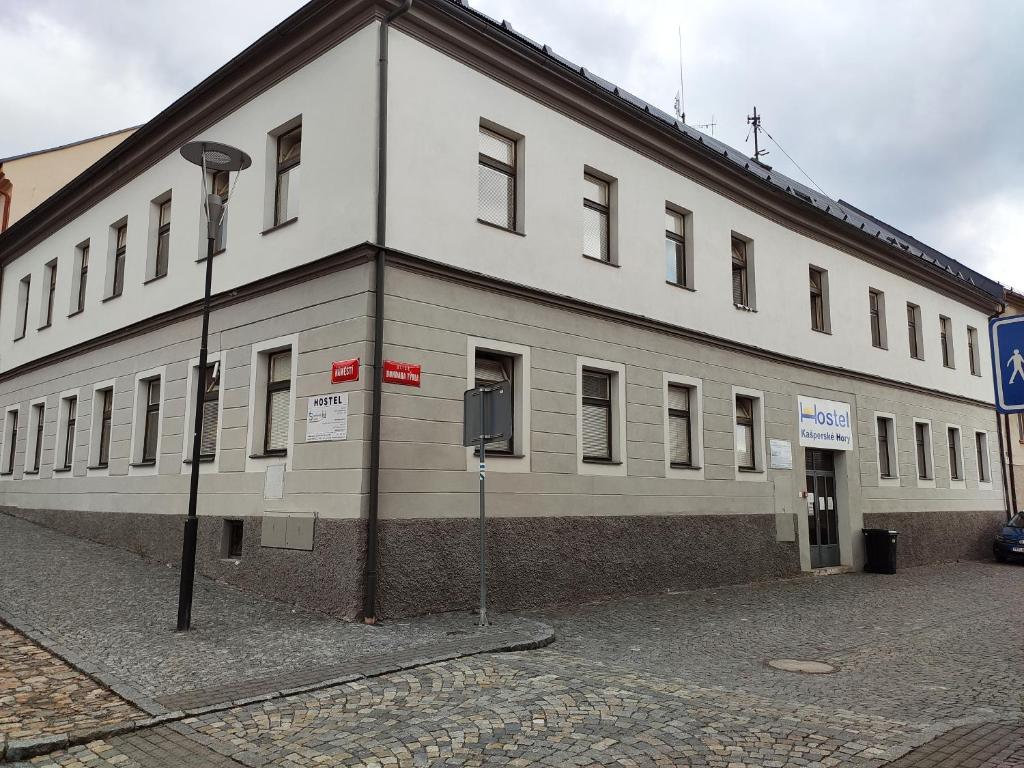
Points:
(111, 614)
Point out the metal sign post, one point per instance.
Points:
(487, 418)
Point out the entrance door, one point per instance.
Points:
(822, 525)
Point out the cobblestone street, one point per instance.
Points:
(671, 680)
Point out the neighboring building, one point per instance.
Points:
(1013, 426)
(680, 326)
(26, 180)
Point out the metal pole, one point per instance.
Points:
(483, 519)
(1009, 457)
(188, 547)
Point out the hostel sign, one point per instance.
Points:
(824, 424)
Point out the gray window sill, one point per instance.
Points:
(202, 460)
(680, 285)
(59, 470)
(112, 297)
(19, 338)
(673, 465)
(8, 473)
(31, 472)
(276, 227)
(751, 470)
(148, 463)
(609, 462)
(153, 279)
(492, 225)
(44, 327)
(76, 312)
(822, 330)
(744, 307)
(269, 455)
(100, 466)
(601, 261)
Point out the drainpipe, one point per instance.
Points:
(1005, 449)
(370, 575)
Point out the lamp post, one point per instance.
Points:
(209, 156)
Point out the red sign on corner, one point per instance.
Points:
(401, 373)
(345, 370)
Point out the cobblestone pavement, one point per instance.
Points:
(112, 614)
(41, 695)
(991, 745)
(679, 680)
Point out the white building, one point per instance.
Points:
(662, 305)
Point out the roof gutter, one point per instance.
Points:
(370, 561)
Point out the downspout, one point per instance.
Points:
(370, 576)
(1005, 449)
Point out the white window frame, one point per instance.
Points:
(191, 392)
(883, 331)
(985, 485)
(759, 473)
(696, 387)
(519, 169)
(894, 452)
(61, 436)
(30, 437)
(23, 306)
(76, 278)
(7, 469)
(108, 278)
(95, 424)
(50, 272)
(138, 421)
(962, 482)
(255, 460)
(928, 482)
(751, 305)
(617, 466)
(519, 460)
(613, 213)
(826, 306)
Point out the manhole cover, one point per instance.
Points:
(798, 665)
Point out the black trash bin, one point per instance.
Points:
(880, 550)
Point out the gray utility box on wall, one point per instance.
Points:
(288, 530)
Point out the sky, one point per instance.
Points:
(910, 110)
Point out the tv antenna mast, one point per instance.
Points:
(755, 121)
(680, 108)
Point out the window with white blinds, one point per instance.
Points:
(211, 402)
(597, 416)
(680, 450)
(492, 368)
(279, 376)
(497, 179)
(745, 455)
(740, 272)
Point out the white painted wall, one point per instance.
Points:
(436, 105)
(335, 94)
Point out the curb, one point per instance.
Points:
(24, 749)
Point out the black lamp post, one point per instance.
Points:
(210, 157)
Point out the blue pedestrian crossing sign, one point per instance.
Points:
(1007, 337)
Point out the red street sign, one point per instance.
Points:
(401, 373)
(345, 370)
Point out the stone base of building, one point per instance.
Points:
(937, 537)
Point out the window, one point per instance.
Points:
(956, 459)
(278, 414)
(80, 278)
(207, 388)
(1020, 428)
(596, 218)
(24, 289)
(876, 315)
(10, 440)
(742, 294)
(497, 179)
(36, 435)
(676, 271)
(923, 447)
(886, 434)
(120, 243)
(972, 351)
(946, 340)
(492, 368)
(162, 243)
(147, 431)
(66, 439)
(597, 416)
(286, 187)
(914, 331)
(231, 540)
(220, 186)
(745, 454)
(819, 299)
(680, 431)
(51, 293)
(981, 450)
(102, 413)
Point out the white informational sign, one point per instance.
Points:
(780, 454)
(327, 417)
(824, 424)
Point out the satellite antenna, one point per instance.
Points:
(680, 108)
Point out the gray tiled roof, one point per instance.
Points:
(839, 210)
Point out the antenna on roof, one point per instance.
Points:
(755, 121)
(680, 109)
(709, 127)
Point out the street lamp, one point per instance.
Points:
(210, 157)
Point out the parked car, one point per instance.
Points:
(1009, 543)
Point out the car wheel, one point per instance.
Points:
(1000, 557)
